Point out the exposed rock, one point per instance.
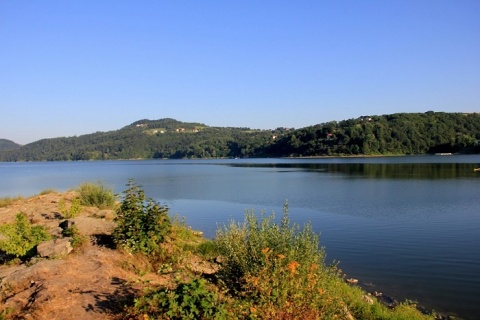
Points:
(200, 266)
(352, 281)
(93, 226)
(368, 299)
(105, 214)
(55, 248)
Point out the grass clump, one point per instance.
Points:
(191, 241)
(20, 238)
(96, 195)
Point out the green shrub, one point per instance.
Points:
(192, 300)
(96, 195)
(20, 238)
(72, 211)
(77, 239)
(142, 224)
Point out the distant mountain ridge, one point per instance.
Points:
(8, 145)
(393, 134)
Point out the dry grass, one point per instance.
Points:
(6, 201)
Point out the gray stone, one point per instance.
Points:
(55, 248)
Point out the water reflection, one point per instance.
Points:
(377, 170)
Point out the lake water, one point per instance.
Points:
(407, 226)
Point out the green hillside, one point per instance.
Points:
(402, 133)
(8, 145)
(147, 139)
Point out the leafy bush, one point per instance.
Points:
(141, 223)
(96, 195)
(20, 238)
(71, 211)
(191, 300)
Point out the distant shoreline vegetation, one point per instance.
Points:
(394, 134)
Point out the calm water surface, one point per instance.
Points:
(408, 226)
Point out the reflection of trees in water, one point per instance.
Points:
(381, 170)
(407, 170)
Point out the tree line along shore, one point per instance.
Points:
(393, 134)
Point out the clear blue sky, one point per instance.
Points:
(74, 67)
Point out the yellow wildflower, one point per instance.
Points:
(292, 267)
(313, 267)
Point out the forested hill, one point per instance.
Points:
(402, 133)
(145, 139)
(8, 145)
